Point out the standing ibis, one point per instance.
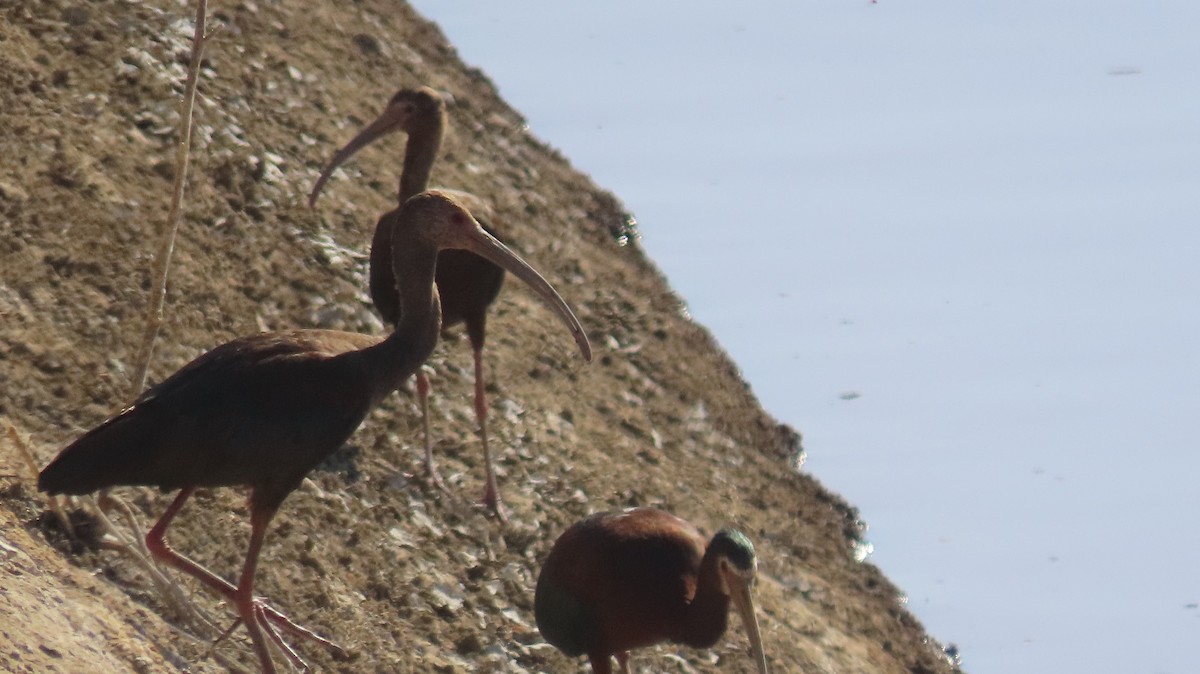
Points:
(467, 282)
(263, 410)
(618, 581)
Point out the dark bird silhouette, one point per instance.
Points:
(468, 283)
(263, 410)
(618, 581)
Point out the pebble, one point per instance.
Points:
(77, 15)
(368, 44)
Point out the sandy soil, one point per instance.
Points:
(408, 579)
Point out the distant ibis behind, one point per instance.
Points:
(618, 581)
(263, 410)
(468, 283)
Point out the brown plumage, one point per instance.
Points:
(263, 410)
(468, 284)
(618, 581)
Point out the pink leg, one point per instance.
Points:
(431, 470)
(157, 544)
(491, 494)
(252, 613)
(255, 613)
(623, 661)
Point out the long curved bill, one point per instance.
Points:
(487, 246)
(390, 120)
(739, 591)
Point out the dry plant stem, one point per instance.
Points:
(224, 635)
(227, 663)
(162, 262)
(106, 501)
(211, 651)
(169, 591)
(32, 463)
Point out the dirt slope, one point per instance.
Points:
(408, 579)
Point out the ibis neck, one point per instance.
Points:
(416, 333)
(421, 150)
(424, 140)
(708, 614)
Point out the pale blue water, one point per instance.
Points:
(983, 219)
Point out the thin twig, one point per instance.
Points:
(113, 537)
(210, 652)
(31, 464)
(169, 591)
(172, 594)
(162, 262)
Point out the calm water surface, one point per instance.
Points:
(957, 245)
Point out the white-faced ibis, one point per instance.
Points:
(468, 284)
(618, 581)
(263, 410)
